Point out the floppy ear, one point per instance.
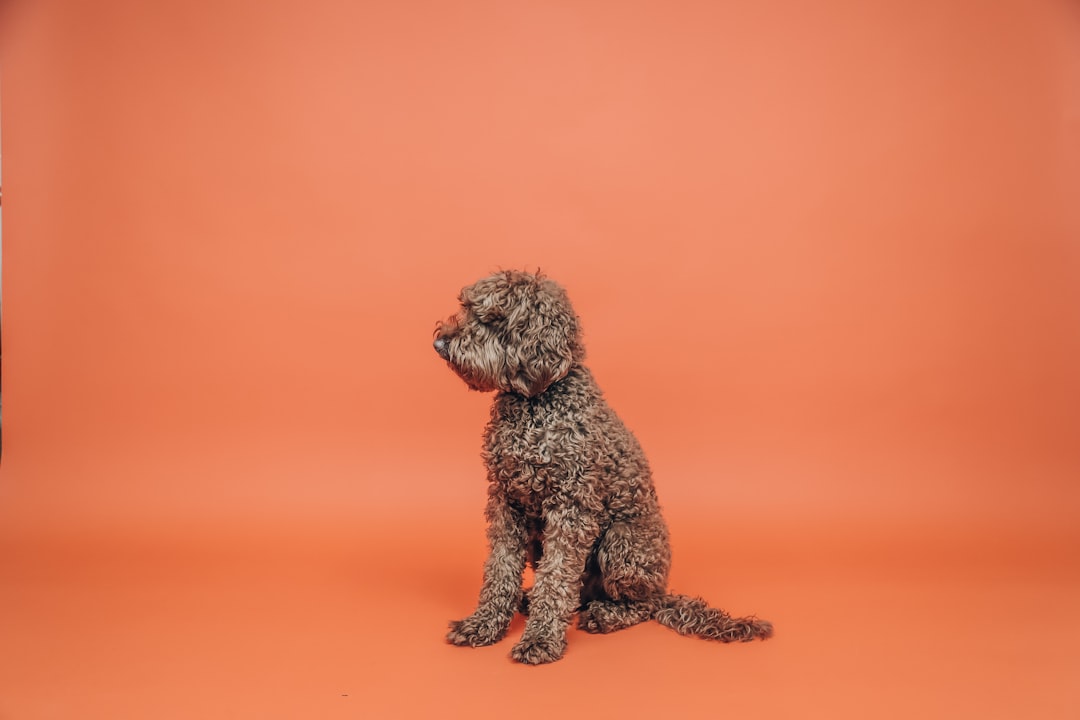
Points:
(534, 376)
(548, 344)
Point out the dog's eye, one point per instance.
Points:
(487, 314)
(481, 306)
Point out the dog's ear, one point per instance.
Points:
(548, 343)
(536, 375)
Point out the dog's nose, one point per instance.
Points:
(441, 347)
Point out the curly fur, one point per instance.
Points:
(570, 491)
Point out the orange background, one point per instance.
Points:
(827, 257)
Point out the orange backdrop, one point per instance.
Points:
(827, 257)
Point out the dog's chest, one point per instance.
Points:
(522, 448)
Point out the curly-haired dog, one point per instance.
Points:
(570, 490)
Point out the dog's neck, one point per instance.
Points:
(574, 387)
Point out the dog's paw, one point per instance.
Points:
(538, 650)
(475, 631)
(591, 619)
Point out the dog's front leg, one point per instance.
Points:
(569, 534)
(500, 595)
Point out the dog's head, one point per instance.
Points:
(515, 332)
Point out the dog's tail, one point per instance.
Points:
(693, 616)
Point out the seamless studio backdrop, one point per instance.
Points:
(827, 259)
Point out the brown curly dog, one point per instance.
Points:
(570, 490)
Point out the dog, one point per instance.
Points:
(570, 491)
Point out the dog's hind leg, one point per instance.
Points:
(634, 558)
(632, 561)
